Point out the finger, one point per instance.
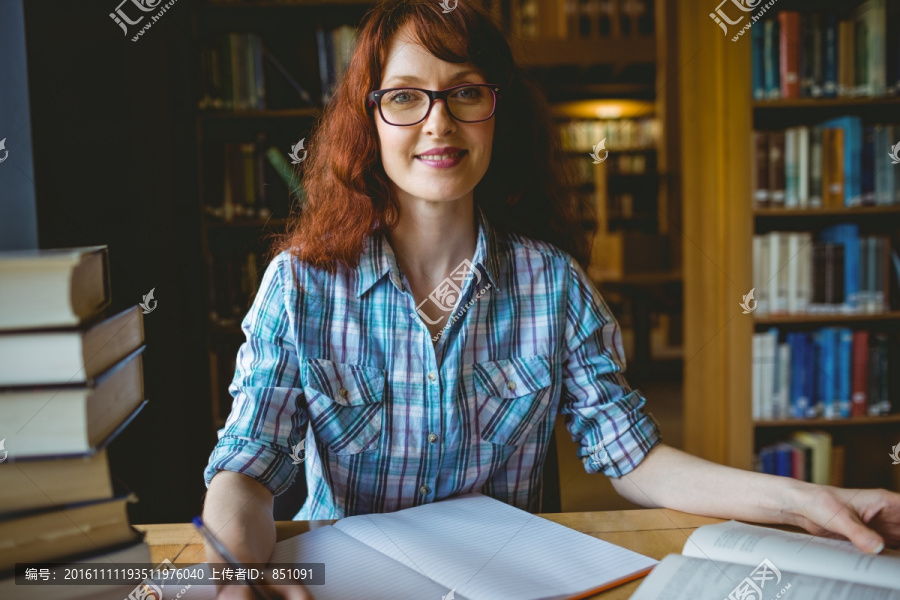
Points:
(850, 526)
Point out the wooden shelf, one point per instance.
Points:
(245, 223)
(285, 113)
(849, 211)
(826, 319)
(843, 102)
(585, 53)
(291, 4)
(883, 420)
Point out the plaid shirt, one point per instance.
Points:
(344, 376)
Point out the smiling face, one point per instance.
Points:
(416, 179)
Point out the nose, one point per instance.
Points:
(438, 121)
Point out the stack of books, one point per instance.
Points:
(831, 373)
(839, 271)
(822, 55)
(807, 456)
(70, 380)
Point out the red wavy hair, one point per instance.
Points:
(527, 188)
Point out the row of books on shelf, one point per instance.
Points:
(837, 272)
(237, 66)
(582, 19)
(254, 182)
(806, 455)
(837, 164)
(831, 373)
(232, 279)
(636, 163)
(71, 380)
(581, 135)
(821, 55)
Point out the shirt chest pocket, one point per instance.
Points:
(345, 403)
(512, 395)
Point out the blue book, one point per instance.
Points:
(784, 459)
(852, 127)
(867, 168)
(847, 234)
(827, 387)
(767, 460)
(759, 77)
(810, 381)
(829, 85)
(844, 365)
(798, 400)
(772, 63)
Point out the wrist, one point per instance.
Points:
(796, 495)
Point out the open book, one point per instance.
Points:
(474, 546)
(732, 560)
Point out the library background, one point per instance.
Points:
(745, 215)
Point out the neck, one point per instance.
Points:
(433, 238)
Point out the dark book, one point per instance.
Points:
(789, 53)
(777, 181)
(760, 169)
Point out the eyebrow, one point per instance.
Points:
(414, 79)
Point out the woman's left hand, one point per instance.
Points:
(870, 518)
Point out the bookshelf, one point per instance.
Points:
(717, 98)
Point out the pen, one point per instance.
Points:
(258, 591)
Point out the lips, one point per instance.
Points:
(442, 153)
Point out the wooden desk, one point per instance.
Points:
(652, 532)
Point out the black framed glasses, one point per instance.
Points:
(467, 102)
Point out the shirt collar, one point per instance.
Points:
(377, 258)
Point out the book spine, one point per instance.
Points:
(759, 63)
(760, 169)
(791, 168)
(793, 272)
(789, 53)
(860, 383)
(867, 183)
(830, 56)
(777, 169)
(843, 355)
(772, 61)
(815, 167)
(802, 153)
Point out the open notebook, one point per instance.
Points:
(478, 547)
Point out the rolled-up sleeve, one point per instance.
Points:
(603, 414)
(267, 416)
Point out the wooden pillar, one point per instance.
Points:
(716, 125)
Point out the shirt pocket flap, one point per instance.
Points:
(346, 384)
(513, 377)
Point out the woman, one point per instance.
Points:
(421, 326)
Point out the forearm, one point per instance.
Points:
(238, 510)
(670, 478)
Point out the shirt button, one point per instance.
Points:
(432, 437)
(343, 392)
(432, 375)
(511, 385)
(584, 460)
(424, 490)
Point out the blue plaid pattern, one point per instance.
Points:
(393, 420)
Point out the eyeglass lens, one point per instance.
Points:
(407, 106)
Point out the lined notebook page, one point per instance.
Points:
(353, 570)
(486, 549)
